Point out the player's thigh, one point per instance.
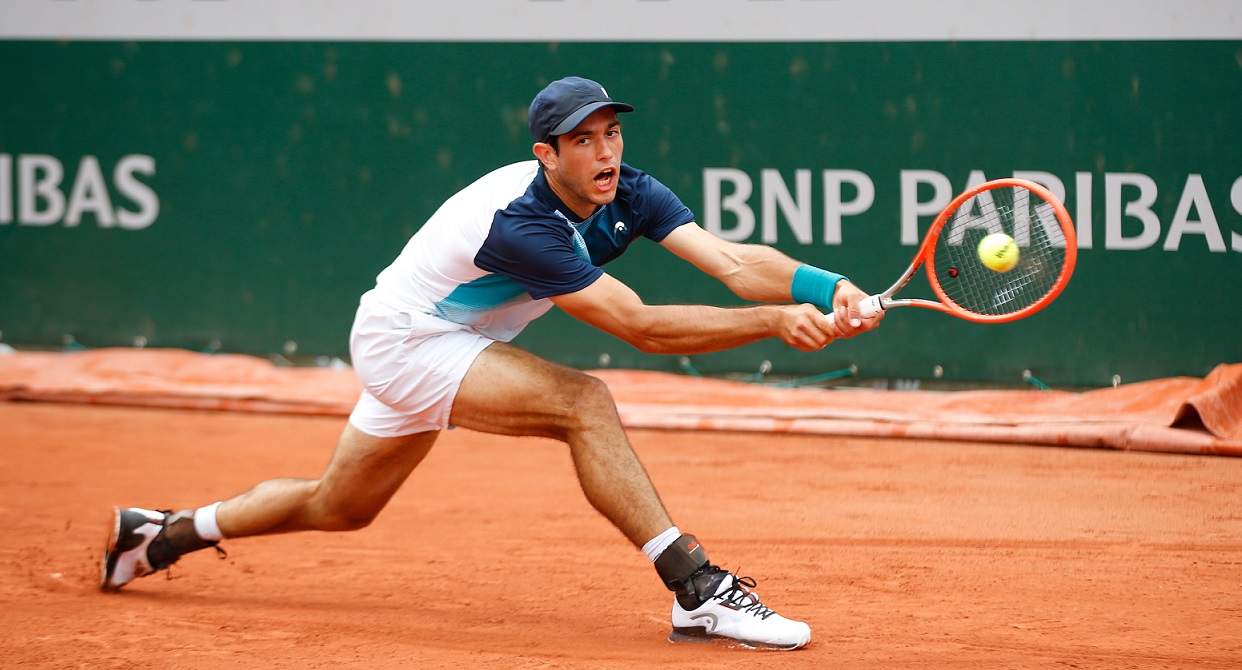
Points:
(365, 470)
(513, 392)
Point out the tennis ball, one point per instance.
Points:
(998, 252)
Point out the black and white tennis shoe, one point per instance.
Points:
(733, 613)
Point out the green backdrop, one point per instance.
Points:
(288, 174)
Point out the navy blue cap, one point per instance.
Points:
(565, 103)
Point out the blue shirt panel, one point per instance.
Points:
(539, 245)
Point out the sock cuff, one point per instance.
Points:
(656, 545)
(205, 523)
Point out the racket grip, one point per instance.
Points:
(867, 307)
(870, 306)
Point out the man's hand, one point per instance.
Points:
(849, 321)
(804, 327)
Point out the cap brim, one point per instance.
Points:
(580, 115)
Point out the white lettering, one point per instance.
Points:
(31, 187)
(1046, 179)
(6, 189)
(797, 211)
(912, 208)
(1195, 195)
(1082, 210)
(1114, 236)
(1131, 221)
(973, 179)
(976, 213)
(1235, 197)
(90, 193)
(1045, 216)
(834, 205)
(41, 202)
(1043, 212)
(142, 195)
(735, 203)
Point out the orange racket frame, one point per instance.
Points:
(926, 256)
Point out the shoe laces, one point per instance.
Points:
(738, 596)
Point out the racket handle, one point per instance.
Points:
(867, 307)
(871, 306)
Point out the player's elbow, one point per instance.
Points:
(644, 335)
(645, 341)
(651, 345)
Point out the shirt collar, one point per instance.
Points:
(547, 196)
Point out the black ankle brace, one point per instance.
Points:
(176, 539)
(680, 561)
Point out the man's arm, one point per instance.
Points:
(761, 273)
(614, 308)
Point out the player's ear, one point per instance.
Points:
(546, 155)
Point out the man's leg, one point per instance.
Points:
(506, 391)
(512, 392)
(362, 477)
(364, 473)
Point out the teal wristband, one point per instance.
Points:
(816, 286)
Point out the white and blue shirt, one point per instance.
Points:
(492, 255)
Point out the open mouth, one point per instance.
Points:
(604, 178)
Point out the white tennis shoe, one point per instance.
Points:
(125, 557)
(734, 613)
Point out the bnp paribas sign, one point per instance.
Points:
(812, 208)
(34, 191)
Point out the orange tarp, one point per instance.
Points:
(1183, 414)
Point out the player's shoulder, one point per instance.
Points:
(514, 178)
(490, 193)
(636, 183)
(644, 193)
(528, 214)
(632, 177)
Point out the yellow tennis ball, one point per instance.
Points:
(998, 252)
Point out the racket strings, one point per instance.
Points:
(1031, 221)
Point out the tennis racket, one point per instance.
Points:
(962, 284)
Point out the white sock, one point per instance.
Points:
(656, 545)
(205, 523)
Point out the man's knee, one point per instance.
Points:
(592, 390)
(344, 522)
(333, 516)
(585, 402)
(337, 521)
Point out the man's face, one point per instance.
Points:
(585, 169)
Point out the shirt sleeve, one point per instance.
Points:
(537, 255)
(662, 210)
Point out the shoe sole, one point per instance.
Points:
(701, 636)
(114, 536)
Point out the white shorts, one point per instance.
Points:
(410, 366)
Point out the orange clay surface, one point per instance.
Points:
(899, 553)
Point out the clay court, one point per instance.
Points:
(898, 552)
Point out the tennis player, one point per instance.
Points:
(430, 345)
